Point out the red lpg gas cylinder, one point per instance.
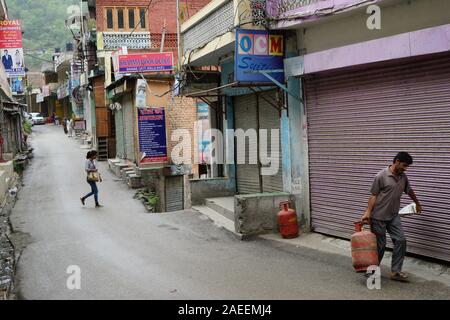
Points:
(287, 222)
(364, 248)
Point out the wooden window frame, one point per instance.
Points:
(126, 16)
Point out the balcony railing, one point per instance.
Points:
(277, 8)
(217, 22)
(116, 40)
(138, 40)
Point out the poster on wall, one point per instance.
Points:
(141, 93)
(11, 48)
(258, 50)
(152, 135)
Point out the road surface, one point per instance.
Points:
(125, 253)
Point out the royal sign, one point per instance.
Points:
(258, 50)
(145, 62)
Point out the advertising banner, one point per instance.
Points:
(258, 50)
(152, 135)
(145, 62)
(17, 85)
(204, 140)
(11, 48)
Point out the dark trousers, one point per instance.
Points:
(395, 230)
(94, 192)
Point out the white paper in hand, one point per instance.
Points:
(408, 210)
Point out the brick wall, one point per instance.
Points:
(182, 114)
(159, 10)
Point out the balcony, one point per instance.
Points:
(210, 33)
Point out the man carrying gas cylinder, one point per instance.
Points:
(382, 211)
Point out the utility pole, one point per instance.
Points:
(178, 36)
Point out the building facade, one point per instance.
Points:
(372, 85)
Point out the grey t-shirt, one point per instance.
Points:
(389, 190)
(90, 165)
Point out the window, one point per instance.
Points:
(143, 18)
(109, 19)
(120, 19)
(131, 22)
(126, 19)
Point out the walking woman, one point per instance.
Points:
(93, 176)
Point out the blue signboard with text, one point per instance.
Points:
(258, 50)
(152, 135)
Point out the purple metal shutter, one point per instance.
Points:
(358, 121)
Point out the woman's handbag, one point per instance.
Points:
(93, 177)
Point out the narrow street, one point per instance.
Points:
(126, 253)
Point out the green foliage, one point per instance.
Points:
(43, 26)
(27, 127)
(148, 198)
(18, 167)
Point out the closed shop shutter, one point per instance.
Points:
(129, 124)
(358, 121)
(269, 118)
(248, 178)
(174, 194)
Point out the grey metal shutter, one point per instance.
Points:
(358, 121)
(248, 178)
(174, 194)
(269, 118)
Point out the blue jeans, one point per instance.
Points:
(94, 192)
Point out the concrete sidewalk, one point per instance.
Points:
(430, 271)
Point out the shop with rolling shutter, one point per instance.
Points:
(257, 111)
(358, 122)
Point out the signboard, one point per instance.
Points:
(39, 98)
(46, 91)
(146, 62)
(11, 48)
(258, 50)
(152, 135)
(79, 125)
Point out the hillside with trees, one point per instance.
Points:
(43, 26)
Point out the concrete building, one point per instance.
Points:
(138, 28)
(373, 81)
(361, 83)
(250, 197)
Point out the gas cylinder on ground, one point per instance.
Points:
(287, 221)
(364, 248)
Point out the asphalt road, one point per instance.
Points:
(125, 253)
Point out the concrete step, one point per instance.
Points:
(219, 220)
(134, 181)
(219, 207)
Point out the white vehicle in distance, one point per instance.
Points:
(37, 118)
